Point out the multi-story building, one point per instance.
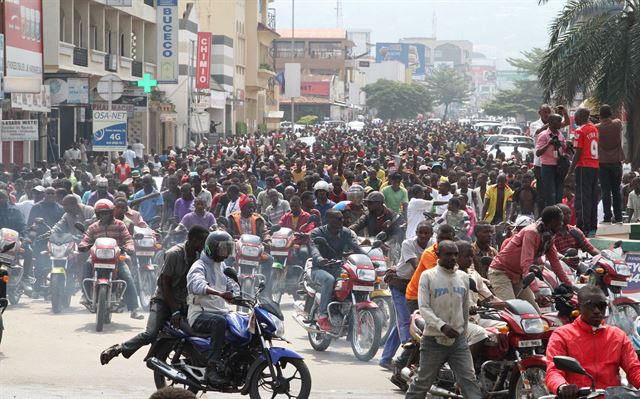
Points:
(84, 40)
(452, 53)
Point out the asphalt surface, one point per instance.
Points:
(46, 356)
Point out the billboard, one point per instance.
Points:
(109, 130)
(315, 89)
(412, 55)
(167, 38)
(68, 90)
(20, 130)
(23, 37)
(203, 62)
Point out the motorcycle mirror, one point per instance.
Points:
(571, 253)
(567, 363)
(261, 286)
(274, 228)
(537, 271)
(320, 241)
(8, 247)
(617, 244)
(80, 227)
(486, 260)
(138, 236)
(376, 244)
(381, 236)
(38, 221)
(231, 273)
(527, 280)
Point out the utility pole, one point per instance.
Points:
(293, 55)
(190, 90)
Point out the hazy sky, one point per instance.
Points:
(497, 28)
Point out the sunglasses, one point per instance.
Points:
(593, 305)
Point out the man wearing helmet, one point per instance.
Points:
(323, 203)
(108, 226)
(354, 209)
(209, 289)
(379, 218)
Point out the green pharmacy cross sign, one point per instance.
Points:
(147, 83)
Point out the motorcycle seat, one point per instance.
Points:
(184, 326)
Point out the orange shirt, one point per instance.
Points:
(428, 260)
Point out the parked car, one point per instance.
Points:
(510, 130)
(491, 140)
(507, 148)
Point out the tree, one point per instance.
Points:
(308, 120)
(594, 50)
(526, 96)
(395, 100)
(448, 86)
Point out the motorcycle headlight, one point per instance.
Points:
(279, 325)
(105, 253)
(622, 269)
(58, 251)
(279, 242)
(147, 242)
(532, 326)
(366, 275)
(251, 252)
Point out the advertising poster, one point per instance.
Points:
(633, 260)
(68, 90)
(23, 37)
(203, 62)
(109, 130)
(20, 130)
(413, 56)
(167, 38)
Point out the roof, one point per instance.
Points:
(335, 33)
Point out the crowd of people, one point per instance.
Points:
(432, 188)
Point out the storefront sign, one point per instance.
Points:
(167, 38)
(23, 37)
(20, 130)
(203, 62)
(66, 91)
(109, 130)
(36, 102)
(315, 89)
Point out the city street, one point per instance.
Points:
(46, 356)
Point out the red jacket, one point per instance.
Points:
(601, 352)
(287, 221)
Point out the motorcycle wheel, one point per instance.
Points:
(278, 285)
(366, 331)
(385, 304)
(293, 375)
(57, 293)
(536, 375)
(626, 315)
(319, 341)
(147, 288)
(101, 308)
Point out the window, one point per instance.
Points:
(108, 47)
(326, 50)
(94, 37)
(283, 49)
(62, 25)
(122, 45)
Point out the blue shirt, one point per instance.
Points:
(149, 208)
(323, 209)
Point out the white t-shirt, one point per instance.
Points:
(440, 209)
(139, 150)
(414, 215)
(533, 127)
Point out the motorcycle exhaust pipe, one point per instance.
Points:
(169, 372)
(435, 391)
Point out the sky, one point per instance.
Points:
(497, 28)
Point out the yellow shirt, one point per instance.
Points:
(298, 176)
(460, 148)
(492, 196)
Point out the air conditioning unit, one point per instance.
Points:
(111, 63)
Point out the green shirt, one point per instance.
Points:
(393, 199)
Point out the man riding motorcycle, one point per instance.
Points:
(298, 221)
(209, 289)
(571, 237)
(74, 212)
(601, 349)
(108, 226)
(339, 240)
(170, 299)
(248, 222)
(353, 209)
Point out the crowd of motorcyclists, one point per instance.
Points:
(459, 228)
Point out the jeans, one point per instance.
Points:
(130, 293)
(433, 356)
(400, 332)
(586, 202)
(326, 278)
(553, 185)
(216, 326)
(610, 181)
(159, 313)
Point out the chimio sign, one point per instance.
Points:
(203, 63)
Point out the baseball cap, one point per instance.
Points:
(39, 189)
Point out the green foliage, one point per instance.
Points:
(525, 98)
(308, 120)
(448, 86)
(395, 100)
(594, 52)
(268, 67)
(262, 128)
(241, 128)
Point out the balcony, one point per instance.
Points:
(80, 56)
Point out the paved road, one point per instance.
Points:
(46, 356)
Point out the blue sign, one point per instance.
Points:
(109, 130)
(412, 55)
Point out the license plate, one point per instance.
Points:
(530, 343)
(104, 266)
(145, 253)
(249, 262)
(280, 253)
(546, 309)
(363, 288)
(619, 283)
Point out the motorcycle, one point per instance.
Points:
(249, 251)
(4, 281)
(287, 269)
(62, 282)
(509, 364)
(145, 273)
(571, 365)
(352, 314)
(252, 365)
(10, 263)
(104, 291)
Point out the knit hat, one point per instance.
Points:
(244, 200)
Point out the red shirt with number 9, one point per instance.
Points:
(587, 140)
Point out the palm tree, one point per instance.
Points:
(594, 49)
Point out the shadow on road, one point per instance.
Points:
(112, 328)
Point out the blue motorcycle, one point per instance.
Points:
(253, 365)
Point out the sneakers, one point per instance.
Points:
(212, 377)
(110, 353)
(135, 314)
(324, 324)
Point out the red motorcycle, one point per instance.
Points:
(351, 312)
